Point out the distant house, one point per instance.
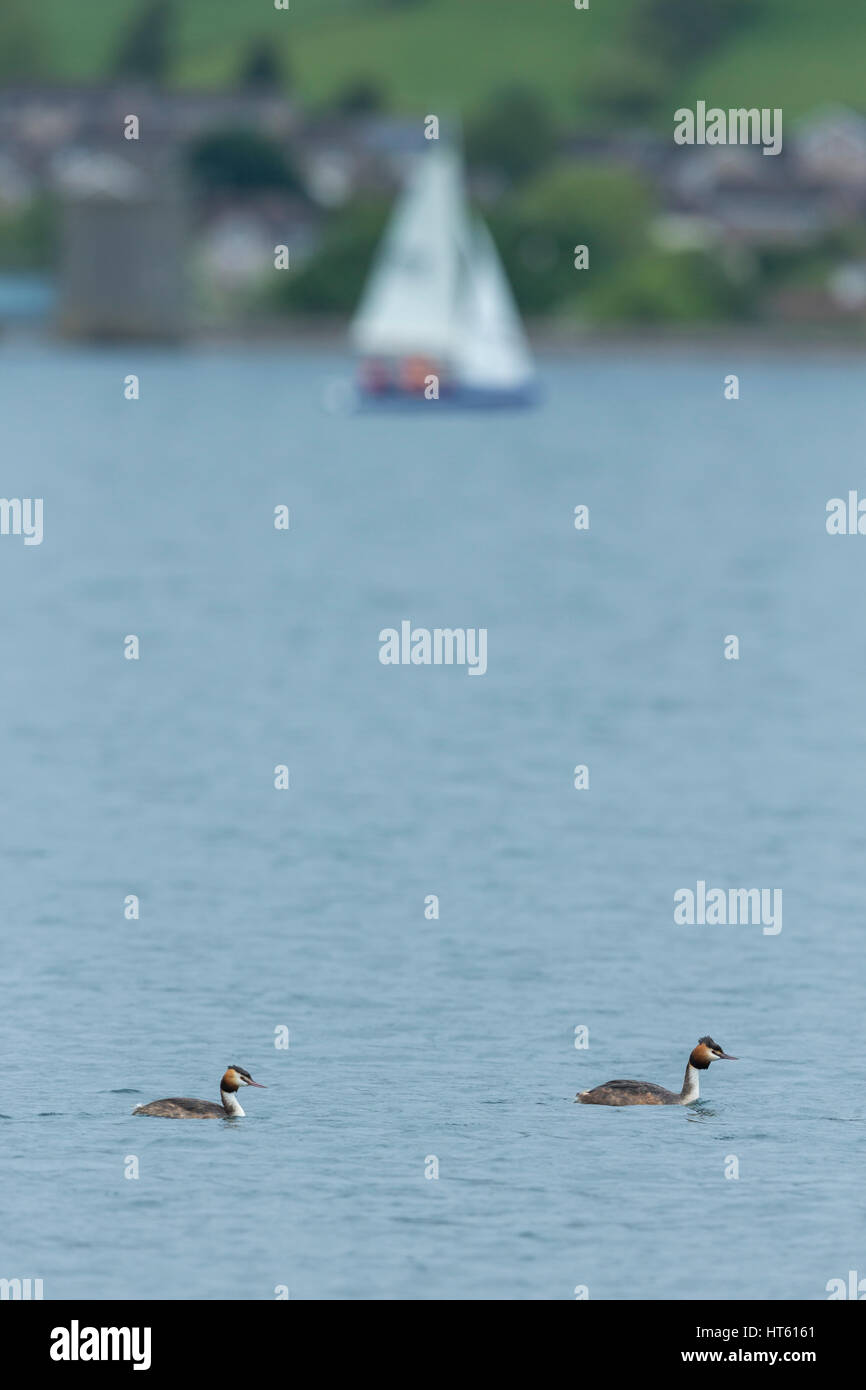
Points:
(37, 120)
(752, 200)
(830, 148)
(339, 156)
(127, 220)
(236, 236)
(644, 151)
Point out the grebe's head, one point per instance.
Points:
(708, 1051)
(236, 1077)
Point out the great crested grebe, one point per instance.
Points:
(645, 1093)
(182, 1108)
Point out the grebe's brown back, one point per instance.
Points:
(183, 1108)
(646, 1093)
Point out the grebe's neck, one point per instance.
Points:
(231, 1104)
(691, 1084)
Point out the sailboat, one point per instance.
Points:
(437, 319)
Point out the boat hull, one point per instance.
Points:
(454, 397)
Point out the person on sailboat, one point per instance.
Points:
(374, 376)
(414, 372)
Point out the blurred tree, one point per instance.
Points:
(20, 46)
(666, 287)
(241, 160)
(626, 86)
(790, 265)
(145, 50)
(515, 134)
(362, 97)
(332, 281)
(680, 30)
(28, 235)
(606, 209)
(263, 67)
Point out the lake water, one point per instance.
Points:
(410, 1038)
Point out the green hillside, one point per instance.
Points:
(432, 55)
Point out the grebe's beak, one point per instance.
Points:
(256, 1083)
(724, 1057)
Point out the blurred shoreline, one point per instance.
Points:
(548, 341)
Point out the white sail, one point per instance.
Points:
(490, 347)
(408, 304)
(438, 290)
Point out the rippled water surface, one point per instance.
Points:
(413, 1038)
